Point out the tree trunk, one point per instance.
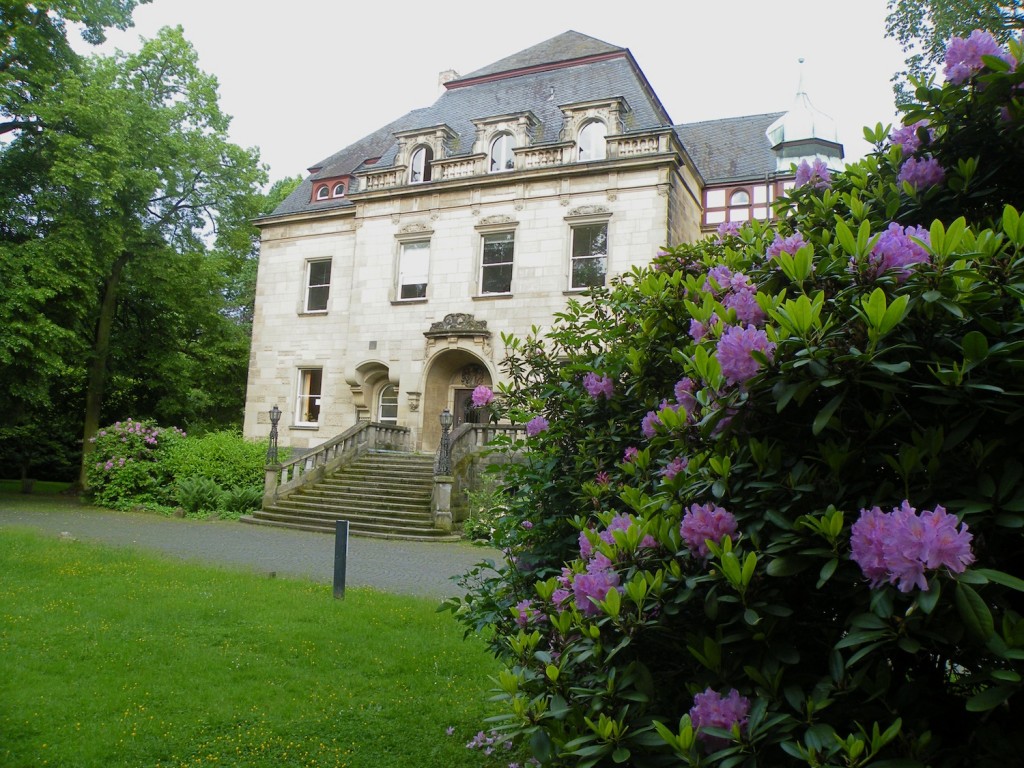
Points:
(98, 364)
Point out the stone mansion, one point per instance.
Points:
(387, 278)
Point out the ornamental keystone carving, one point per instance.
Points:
(590, 210)
(458, 324)
(473, 375)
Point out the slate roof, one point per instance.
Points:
(564, 47)
(731, 148)
(573, 77)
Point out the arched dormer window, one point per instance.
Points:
(501, 155)
(322, 193)
(591, 144)
(419, 164)
(339, 190)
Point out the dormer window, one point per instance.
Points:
(339, 190)
(501, 156)
(419, 164)
(591, 141)
(322, 193)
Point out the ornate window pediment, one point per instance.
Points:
(575, 117)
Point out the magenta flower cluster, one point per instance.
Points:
(620, 522)
(896, 250)
(734, 353)
(816, 174)
(482, 396)
(677, 465)
(899, 546)
(729, 229)
(629, 455)
(526, 614)
(536, 425)
(591, 587)
(713, 710)
(909, 137)
(963, 56)
(598, 386)
(703, 522)
(789, 245)
(921, 173)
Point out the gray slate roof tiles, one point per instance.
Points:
(730, 149)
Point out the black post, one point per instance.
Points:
(340, 556)
(444, 459)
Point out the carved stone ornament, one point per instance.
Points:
(473, 375)
(413, 229)
(414, 400)
(498, 218)
(458, 324)
(590, 210)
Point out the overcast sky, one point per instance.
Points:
(305, 78)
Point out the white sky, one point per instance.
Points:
(305, 78)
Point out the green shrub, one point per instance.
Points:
(224, 457)
(711, 574)
(198, 496)
(240, 500)
(488, 507)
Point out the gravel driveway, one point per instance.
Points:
(422, 569)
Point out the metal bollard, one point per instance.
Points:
(340, 557)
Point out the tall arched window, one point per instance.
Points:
(502, 158)
(419, 165)
(591, 143)
(387, 405)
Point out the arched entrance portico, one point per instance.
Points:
(450, 378)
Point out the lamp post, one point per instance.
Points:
(275, 416)
(444, 459)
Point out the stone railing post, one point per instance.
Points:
(441, 503)
(272, 476)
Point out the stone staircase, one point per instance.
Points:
(383, 494)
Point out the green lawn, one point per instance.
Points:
(109, 657)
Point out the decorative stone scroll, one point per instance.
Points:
(590, 210)
(459, 327)
(473, 375)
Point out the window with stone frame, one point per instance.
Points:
(588, 256)
(318, 285)
(413, 269)
(419, 164)
(590, 144)
(501, 156)
(387, 405)
(496, 258)
(309, 394)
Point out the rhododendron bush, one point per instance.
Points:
(776, 513)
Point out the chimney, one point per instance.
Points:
(446, 77)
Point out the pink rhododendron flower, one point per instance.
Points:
(482, 396)
(713, 710)
(963, 56)
(789, 245)
(728, 229)
(816, 174)
(899, 546)
(909, 137)
(601, 478)
(598, 386)
(921, 173)
(630, 454)
(677, 465)
(594, 585)
(734, 352)
(536, 425)
(701, 523)
(895, 250)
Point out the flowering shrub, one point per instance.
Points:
(708, 576)
(126, 469)
(139, 464)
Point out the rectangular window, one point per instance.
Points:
(589, 255)
(310, 386)
(413, 270)
(496, 264)
(318, 285)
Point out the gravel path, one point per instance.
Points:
(422, 569)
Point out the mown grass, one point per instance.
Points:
(109, 657)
